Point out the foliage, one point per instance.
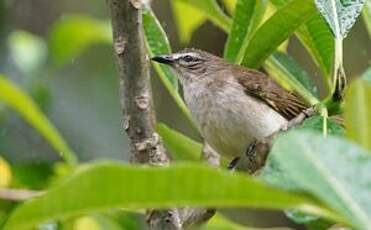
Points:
(99, 187)
(314, 179)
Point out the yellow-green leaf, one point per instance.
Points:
(14, 97)
(358, 112)
(188, 19)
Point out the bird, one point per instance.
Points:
(232, 106)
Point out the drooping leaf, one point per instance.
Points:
(212, 11)
(102, 186)
(72, 34)
(180, 146)
(331, 169)
(287, 72)
(276, 30)
(340, 14)
(358, 112)
(188, 19)
(318, 40)
(247, 16)
(157, 43)
(14, 97)
(27, 50)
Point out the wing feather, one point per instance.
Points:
(259, 85)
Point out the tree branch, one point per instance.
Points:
(136, 97)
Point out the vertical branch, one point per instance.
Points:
(135, 88)
(136, 97)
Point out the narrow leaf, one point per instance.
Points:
(276, 30)
(71, 35)
(340, 14)
(318, 40)
(367, 16)
(247, 16)
(157, 43)
(358, 112)
(331, 169)
(14, 97)
(180, 146)
(102, 186)
(212, 11)
(287, 72)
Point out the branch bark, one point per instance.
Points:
(136, 97)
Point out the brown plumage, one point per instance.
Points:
(259, 85)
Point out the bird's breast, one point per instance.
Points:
(228, 119)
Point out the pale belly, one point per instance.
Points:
(230, 121)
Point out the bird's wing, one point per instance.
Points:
(259, 85)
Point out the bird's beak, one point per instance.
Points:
(165, 59)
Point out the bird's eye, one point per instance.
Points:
(188, 58)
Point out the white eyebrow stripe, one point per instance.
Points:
(179, 55)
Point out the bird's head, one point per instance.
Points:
(190, 64)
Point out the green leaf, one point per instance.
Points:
(318, 40)
(103, 186)
(72, 34)
(27, 50)
(315, 123)
(180, 146)
(331, 169)
(187, 18)
(358, 112)
(157, 43)
(230, 5)
(219, 222)
(247, 16)
(276, 30)
(367, 16)
(287, 72)
(14, 97)
(212, 11)
(340, 14)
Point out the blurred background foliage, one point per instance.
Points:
(56, 60)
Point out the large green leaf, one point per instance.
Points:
(332, 169)
(157, 43)
(340, 14)
(247, 16)
(102, 186)
(72, 34)
(180, 146)
(14, 97)
(358, 112)
(188, 19)
(212, 11)
(287, 72)
(276, 30)
(317, 38)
